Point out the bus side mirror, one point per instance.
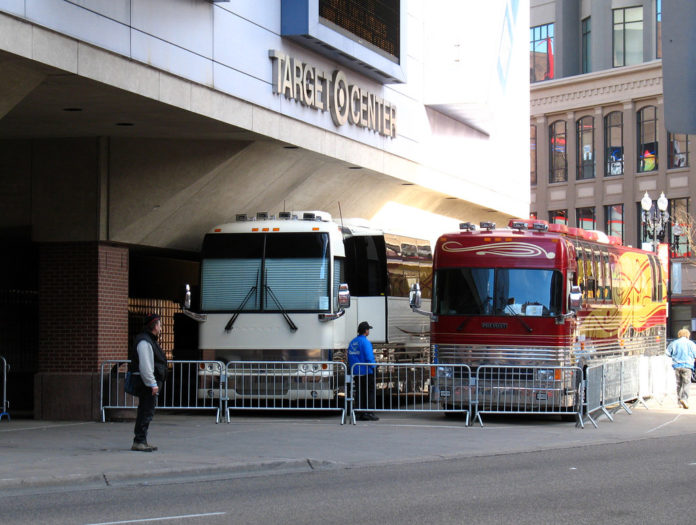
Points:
(343, 296)
(575, 297)
(414, 296)
(187, 298)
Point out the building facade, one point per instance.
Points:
(129, 128)
(599, 142)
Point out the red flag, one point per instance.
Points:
(549, 58)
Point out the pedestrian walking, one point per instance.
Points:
(683, 353)
(148, 365)
(360, 351)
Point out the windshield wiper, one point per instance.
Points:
(230, 323)
(519, 317)
(463, 324)
(292, 325)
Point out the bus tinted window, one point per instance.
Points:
(233, 246)
(464, 291)
(501, 291)
(366, 265)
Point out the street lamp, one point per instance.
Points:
(654, 220)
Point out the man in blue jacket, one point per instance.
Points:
(360, 351)
(683, 353)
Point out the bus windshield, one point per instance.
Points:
(498, 291)
(265, 272)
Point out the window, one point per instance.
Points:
(658, 25)
(613, 143)
(533, 215)
(585, 152)
(647, 139)
(532, 155)
(499, 292)
(558, 217)
(681, 226)
(366, 265)
(628, 36)
(271, 273)
(585, 218)
(589, 273)
(541, 53)
(558, 159)
(678, 151)
(586, 46)
(613, 220)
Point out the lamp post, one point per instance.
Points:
(654, 226)
(654, 220)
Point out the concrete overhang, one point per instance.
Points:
(52, 103)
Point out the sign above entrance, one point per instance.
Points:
(312, 87)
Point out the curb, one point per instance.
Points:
(106, 479)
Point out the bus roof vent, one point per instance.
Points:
(309, 216)
(467, 226)
(286, 215)
(540, 226)
(262, 215)
(241, 217)
(487, 226)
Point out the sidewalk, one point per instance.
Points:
(44, 454)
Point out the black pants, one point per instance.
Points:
(146, 411)
(365, 392)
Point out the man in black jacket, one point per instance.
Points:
(148, 364)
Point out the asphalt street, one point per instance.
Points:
(644, 481)
(307, 467)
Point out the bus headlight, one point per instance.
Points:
(444, 371)
(545, 374)
(310, 367)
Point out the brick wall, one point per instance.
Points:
(113, 303)
(83, 306)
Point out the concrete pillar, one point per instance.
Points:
(83, 320)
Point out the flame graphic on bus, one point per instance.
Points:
(634, 306)
(503, 249)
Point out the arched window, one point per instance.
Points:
(585, 142)
(647, 139)
(558, 158)
(613, 144)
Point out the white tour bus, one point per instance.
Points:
(294, 288)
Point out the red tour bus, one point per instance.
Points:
(538, 294)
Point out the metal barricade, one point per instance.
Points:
(662, 380)
(111, 387)
(186, 382)
(411, 387)
(5, 403)
(285, 385)
(594, 389)
(630, 382)
(529, 390)
(612, 383)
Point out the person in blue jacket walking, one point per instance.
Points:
(360, 351)
(683, 353)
